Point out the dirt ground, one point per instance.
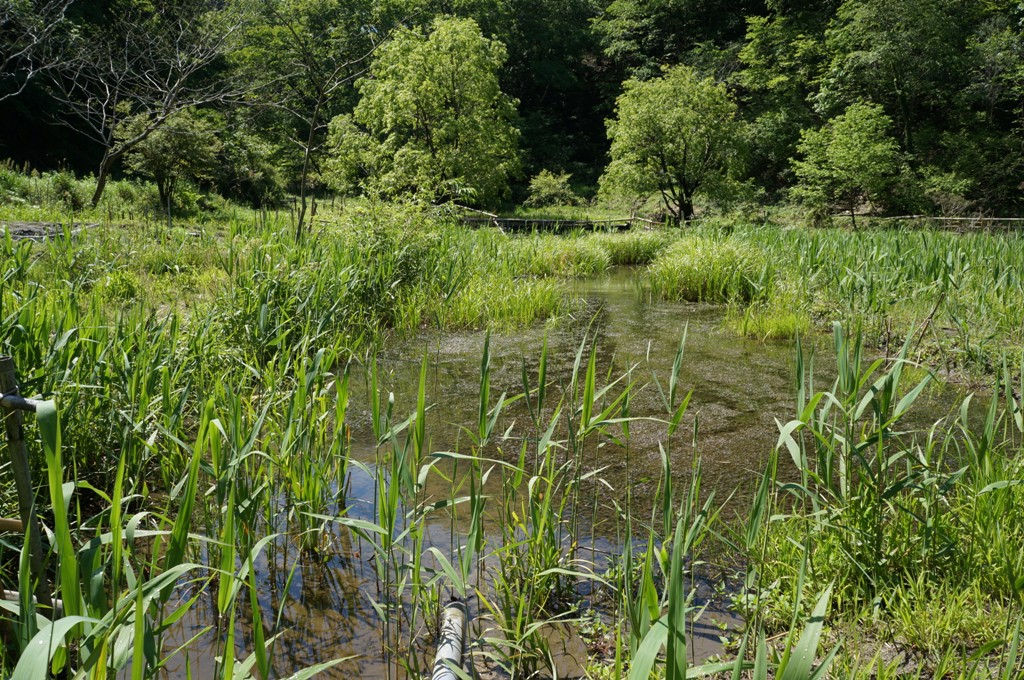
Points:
(37, 231)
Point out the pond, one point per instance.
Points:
(741, 389)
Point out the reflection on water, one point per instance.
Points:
(740, 389)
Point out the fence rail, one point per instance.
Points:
(522, 224)
(961, 224)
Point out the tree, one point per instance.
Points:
(781, 59)
(30, 41)
(148, 62)
(185, 147)
(907, 55)
(853, 159)
(432, 119)
(306, 54)
(641, 35)
(677, 135)
(246, 168)
(550, 70)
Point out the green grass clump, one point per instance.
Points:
(779, 315)
(768, 322)
(918, 533)
(702, 268)
(636, 247)
(576, 255)
(501, 304)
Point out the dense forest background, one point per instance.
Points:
(898, 105)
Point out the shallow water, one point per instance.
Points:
(740, 389)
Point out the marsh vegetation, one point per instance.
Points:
(291, 403)
(272, 449)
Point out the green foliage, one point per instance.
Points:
(547, 189)
(948, 74)
(223, 381)
(247, 170)
(59, 191)
(911, 540)
(904, 55)
(781, 315)
(67, 191)
(185, 147)
(676, 135)
(572, 256)
(892, 283)
(781, 58)
(852, 160)
(636, 247)
(302, 58)
(432, 120)
(120, 286)
(641, 36)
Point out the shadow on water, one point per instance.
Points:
(741, 388)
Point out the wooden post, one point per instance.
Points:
(18, 455)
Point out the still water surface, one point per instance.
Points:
(741, 388)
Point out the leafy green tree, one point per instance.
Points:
(984, 146)
(907, 55)
(303, 57)
(677, 135)
(145, 62)
(184, 147)
(551, 70)
(432, 119)
(853, 159)
(781, 60)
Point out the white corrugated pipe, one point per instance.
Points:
(449, 642)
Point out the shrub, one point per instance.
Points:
(120, 286)
(67, 191)
(548, 189)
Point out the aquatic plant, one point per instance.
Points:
(709, 269)
(205, 455)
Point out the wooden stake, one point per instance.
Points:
(18, 455)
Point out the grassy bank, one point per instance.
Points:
(915, 533)
(959, 297)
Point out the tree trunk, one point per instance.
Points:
(908, 134)
(302, 205)
(686, 208)
(162, 190)
(101, 178)
(308, 152)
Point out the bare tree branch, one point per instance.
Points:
(31, 44)
(147, 63)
